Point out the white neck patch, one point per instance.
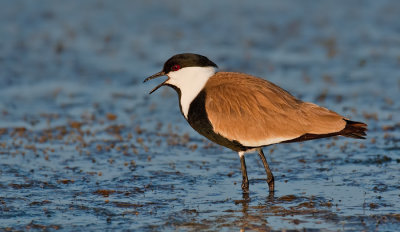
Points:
(190, 81)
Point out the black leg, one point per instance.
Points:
(270, 176)
(245, 182)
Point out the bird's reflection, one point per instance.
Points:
(253, 218)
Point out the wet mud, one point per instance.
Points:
(84, 147)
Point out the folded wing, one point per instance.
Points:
(256, 112)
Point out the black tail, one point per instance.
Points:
(354, 129)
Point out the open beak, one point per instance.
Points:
(159, 74)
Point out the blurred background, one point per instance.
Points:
(83, 145)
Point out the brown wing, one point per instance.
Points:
(256, 112)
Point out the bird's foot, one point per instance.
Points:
(245, 186)
(271, 184)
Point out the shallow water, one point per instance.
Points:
(84, 147)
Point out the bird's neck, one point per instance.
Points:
(190, 81)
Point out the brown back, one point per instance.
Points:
(245, 108)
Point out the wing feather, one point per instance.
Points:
(256, 112)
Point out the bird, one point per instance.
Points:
(246, 113)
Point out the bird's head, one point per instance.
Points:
(183, 69)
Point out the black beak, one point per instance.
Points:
(159, 74)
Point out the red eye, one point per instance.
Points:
(176, 67)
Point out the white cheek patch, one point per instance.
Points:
(190, 81)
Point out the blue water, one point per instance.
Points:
(84, 147)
